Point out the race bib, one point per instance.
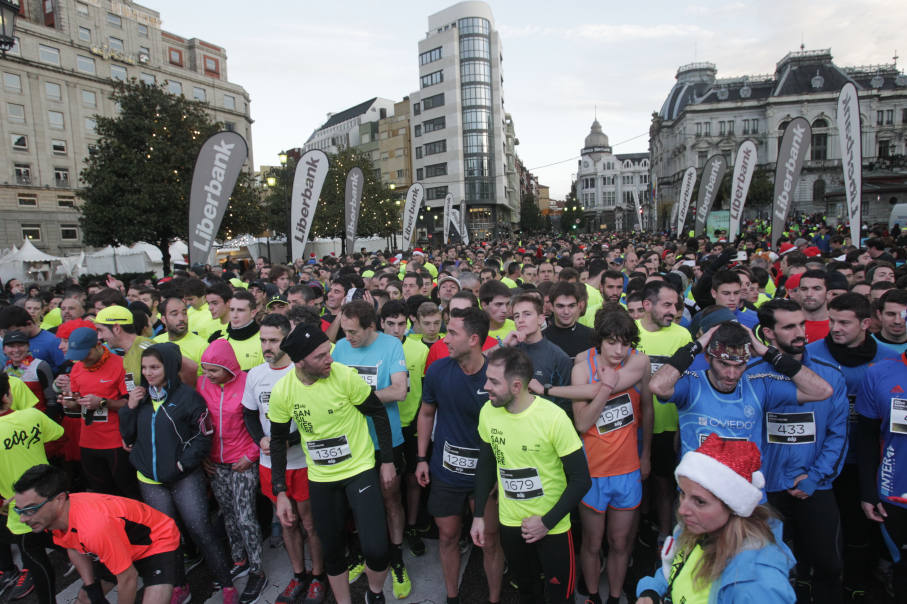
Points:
(461, 460)
(618, 412)
(329, 451)
(100, 414)
(521, 483)
(897, 424)
(130, 382)
(369, 373)
(852, 408)
(790, 428)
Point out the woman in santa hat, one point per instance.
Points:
(726, 547)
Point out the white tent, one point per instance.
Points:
(139, 258)
(28, 263)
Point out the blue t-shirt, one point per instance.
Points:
(747, 317)
(46, 346)
(900, 348)
(853, 377)
(375, 364)
(458, 399)
(883, 396)
(736, 415)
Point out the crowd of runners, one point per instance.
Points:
(559, 402)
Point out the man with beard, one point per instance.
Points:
(891, 311)
(660, 338)
(612, 286)
(849, 345)
(803, 453)
(175, 318)
(812, 297)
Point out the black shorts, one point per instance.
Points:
(445, 500)
(664, 456)
(410, 447)
(399, 459)
(159, 569)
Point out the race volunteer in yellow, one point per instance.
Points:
(329, 402)
(542, 475)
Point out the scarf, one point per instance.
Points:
(853, 357)
(104, 356)
(18, 369)
(157, 393)
(242, 333)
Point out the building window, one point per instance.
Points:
(27, 201)
(435, 77)
(698, 128)
(433, 101)
(174, 87)
(118, 72)
(819, 190)
(417, 130)
(58, 146)
(85, 64)
(435, 170)
(85, 34)
(212, 66)
(430, 56)
(229, 102)
(12, 82)
(48, 54)
(722, 128)
(473, 25)
(89, 98)
(419, 152)
(229, 126)
(53, 91)
(199, 94)
(746, 126)
(115, 44)
(819, 147)
(399, 173)
(707, 128)
(55, 120)
(82, 9)
(31, 231)
(643, 179)
(435, 147)
(475, 71)
(114, 20)
(754, 126)
(15, 113)
(730, 128)
(436, 124)
(19, 142)
(889, 117)
(884, 148)
(61, 177)
(143, 30)
(23, 174)
(91, 125)
(477, 119)
(435, 193)
(627, 179)
(419, 173)
(417, 109)
(476, 142)
(69, 232)
(144, 50)
(176, 56)
(475, 48)
(904, 116)
(66, 202)
(880, 118)
(148, 78)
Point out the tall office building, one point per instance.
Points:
(59, 77)
(459, 136)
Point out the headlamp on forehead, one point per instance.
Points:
(731, 354)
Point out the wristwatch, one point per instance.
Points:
(547, 387)
(102, 404)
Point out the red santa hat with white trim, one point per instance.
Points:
(729, 469)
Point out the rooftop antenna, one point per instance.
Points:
(596, 108)
(895, 57)
(802, 45)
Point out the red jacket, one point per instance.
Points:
(232, 441)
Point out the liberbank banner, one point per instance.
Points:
(791, 154)
(311, 171)
(216, 170)
(851, 157)
(448, 206)
(744, 166)
(686, 194)
(712, 174)
(411, 212)
(354, 182)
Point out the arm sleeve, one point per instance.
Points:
(279, 433)
(576, 471)
(866, 443)
(375, 409)
(485, 477)
(253, 424)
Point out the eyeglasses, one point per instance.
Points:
(30, 510)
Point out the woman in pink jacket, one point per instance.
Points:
(233, 462)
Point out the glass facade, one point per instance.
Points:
(476, 94)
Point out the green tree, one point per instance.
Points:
(139, 173)
(530, 216)
(573, 212)
(378, 213)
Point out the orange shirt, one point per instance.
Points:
(117, 530)
(107, 379)
(612, 442)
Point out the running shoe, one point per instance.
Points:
(371, 598)
(25, 584)
(255, 586)
(8, 578)
(400, 580)
(292, 593)
(414, 541)
(240, 569)
(356, 567)
(181, 595)
(316, 593)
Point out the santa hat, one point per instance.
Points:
(786, 247)
(418, 252)
(729, 469)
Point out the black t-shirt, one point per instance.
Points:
(572, 340)
(552, 366)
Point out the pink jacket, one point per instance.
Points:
(231, 439)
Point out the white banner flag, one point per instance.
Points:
(638, 209)
(448, 204)
(307, 182)
(464, 229)
(414, 196)
(851, 157)
(686, 194)
(744, 165)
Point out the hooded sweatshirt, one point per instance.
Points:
(170, 433)
(232, 441)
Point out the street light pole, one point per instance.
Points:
(288, 183)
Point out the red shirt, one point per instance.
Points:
(439, 350)
(118, 530)
(816, 330)
(106, 379)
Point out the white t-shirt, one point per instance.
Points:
(259, 382)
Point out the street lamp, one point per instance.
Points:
(271, 182)
(288, 183)
(8, 13)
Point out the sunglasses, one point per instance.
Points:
(30, 510)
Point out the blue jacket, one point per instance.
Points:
(820, 460)
(753, 576)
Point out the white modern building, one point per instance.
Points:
(57, 79)
(605, 183)
(342, 130)
(704, 115)
(460, 139)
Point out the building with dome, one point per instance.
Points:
(704, 115)
(605, 183)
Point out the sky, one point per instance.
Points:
(565, 62)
